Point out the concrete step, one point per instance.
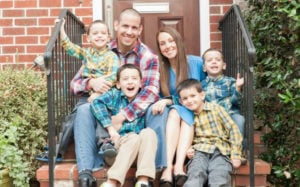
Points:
(66, 175)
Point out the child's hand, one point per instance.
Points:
(236, 163)
(190, 153)
(239, 82)
(114, 135)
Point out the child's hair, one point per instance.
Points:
(212, 49)
(94, 22)
(189, 83)
(128, 66)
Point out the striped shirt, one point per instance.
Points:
(144, 58)
(96, 63)
(222, 91)
(110, 104)
(214, 128)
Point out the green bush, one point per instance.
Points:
(275, 29)
(23, 122)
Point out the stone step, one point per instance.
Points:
(66, 175)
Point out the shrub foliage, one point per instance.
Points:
(275, 29)
(23, 122)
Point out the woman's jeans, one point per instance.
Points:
(158, 124)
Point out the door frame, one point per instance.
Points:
(204, 20)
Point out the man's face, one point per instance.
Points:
(128, 30)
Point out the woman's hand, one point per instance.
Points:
(190, 153)
(160, 106)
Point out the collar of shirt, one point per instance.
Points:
(97, 52)
(114, 47)
(214, 79)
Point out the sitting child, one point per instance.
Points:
(131, 139)
(223, 90)
(217, 141)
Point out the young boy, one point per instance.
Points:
(216, 139)
(223, 90)
(98, 60)
(131, 138)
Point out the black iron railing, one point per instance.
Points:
(239, 55)
(60, 68)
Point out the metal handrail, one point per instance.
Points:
(60, 68)
(239, 54)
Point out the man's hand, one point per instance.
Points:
(160, 106)
(236, 163)
(239, 82)
(93, 96)
(100, 84)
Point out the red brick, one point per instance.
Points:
(83, 11)
(6, 40)
(218, 2)
(13, 13)
(25, 3)
(13, 31)
(6, 58)
(26, 40)
(26, 58)
(5, 22)
(25, 22)
(216, 36)
(71, 3)
(216, 44)
(244, 180)
(6, 4)
(13, 49)
(257, 137)
(55, 12)
(87, 20)
(215, 9)
(260, 167)
(47, 21)
(14, 66)
(36, 49)
(52, 3)
(37, 31)
(215, 18)
(226, 8)
(36, 12)
(44, 39)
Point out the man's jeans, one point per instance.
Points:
(85, 138)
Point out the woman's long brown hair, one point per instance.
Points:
(181, 65)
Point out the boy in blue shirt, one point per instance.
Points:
(131, 139)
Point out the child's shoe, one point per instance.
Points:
(109, 153)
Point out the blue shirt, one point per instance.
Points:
(110, 104)
(222, 91)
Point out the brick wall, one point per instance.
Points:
(26, 25)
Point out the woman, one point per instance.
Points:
(175, 66)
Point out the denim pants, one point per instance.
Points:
(240, 121)
(158, 124)
(213, 169)
(85, 138)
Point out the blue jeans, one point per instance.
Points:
(158, 124)
(240, 121)
(85, 138)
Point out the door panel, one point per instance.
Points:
(182, 15)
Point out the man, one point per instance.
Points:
(130, 50)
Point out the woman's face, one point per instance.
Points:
(167, 45)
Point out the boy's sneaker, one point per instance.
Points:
(109, 153)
